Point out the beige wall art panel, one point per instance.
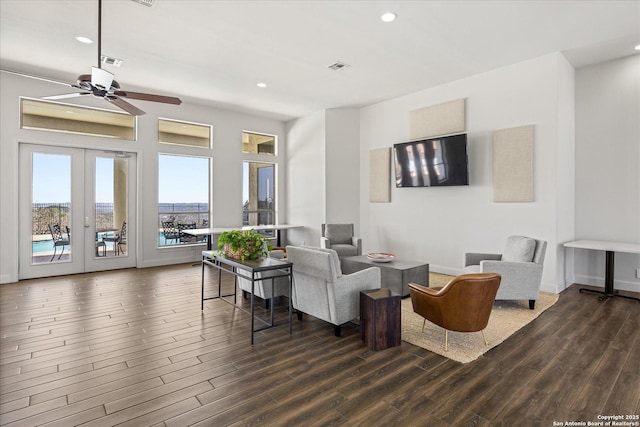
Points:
(441, 119)
(380, 175)
(513, 164)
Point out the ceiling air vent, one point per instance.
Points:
(338, 66)
(146, 2)
(111, 61)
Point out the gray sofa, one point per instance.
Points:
(520, 266)
(321, 290)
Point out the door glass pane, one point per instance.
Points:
(111, 206)
(51, 208)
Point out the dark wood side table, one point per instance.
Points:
(380, 318)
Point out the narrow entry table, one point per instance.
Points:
(610, 249)
(252, 270)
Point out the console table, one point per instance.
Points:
(610, 249)
(254, 271)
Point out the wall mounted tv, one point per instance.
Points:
(432, 162)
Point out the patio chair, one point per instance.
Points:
(118, 240)
(58, 239)
(170, 231)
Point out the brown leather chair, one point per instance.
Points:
(462, 305)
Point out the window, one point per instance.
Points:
(258, 193)
(184, 133)
(256, 143)
(67, 118)
(183, 197)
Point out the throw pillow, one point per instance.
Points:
(519, 249)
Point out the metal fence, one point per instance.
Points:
(44, 214)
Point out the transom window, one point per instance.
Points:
(184, 133)
(60, 117)
(258, 143)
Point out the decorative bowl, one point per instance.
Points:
(380, 257)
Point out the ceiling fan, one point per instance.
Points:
(100, 83)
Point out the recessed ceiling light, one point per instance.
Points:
(261, 84)
(388, 17)
(82, 39)
(637, 47)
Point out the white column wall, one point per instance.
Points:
(608, 167)
(306, 178)
(343, 167)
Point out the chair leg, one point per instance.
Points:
(423, 323)
(55, 249)
(336, 330)
(532, 304)
(299, 314)
(446, 340)
(485, 338)
(62, 252)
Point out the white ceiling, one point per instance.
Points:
(214, 52)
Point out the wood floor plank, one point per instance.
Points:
(133, 347)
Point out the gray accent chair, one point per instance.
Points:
(340, 238)
(262, 288)
(321, 290)
(520, 266)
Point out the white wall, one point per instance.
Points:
(608, 167)
(438, 225)
(227, 166)
(343, 166)
(323, 169)
(306, 182)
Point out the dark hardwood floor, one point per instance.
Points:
(131, 347)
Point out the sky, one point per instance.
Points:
(179, 179)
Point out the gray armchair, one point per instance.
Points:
(340, 238)
(321, 290)
(520, 266)
(262, 288)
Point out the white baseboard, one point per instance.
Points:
(619, 285)
(445, 270)
(6, 278)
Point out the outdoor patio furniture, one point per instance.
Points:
(58, 239)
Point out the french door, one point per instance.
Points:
(77, 210)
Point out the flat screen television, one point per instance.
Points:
(432, 162)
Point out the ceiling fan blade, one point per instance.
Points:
(66, 95)
(148, 97)
(44, 79)
(129, 108)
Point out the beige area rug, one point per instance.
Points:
(506, 318)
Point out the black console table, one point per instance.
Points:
(254, 271)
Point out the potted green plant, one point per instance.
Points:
(243, 245)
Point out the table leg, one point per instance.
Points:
(253, 290)
(202, 290)
(609, 291)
